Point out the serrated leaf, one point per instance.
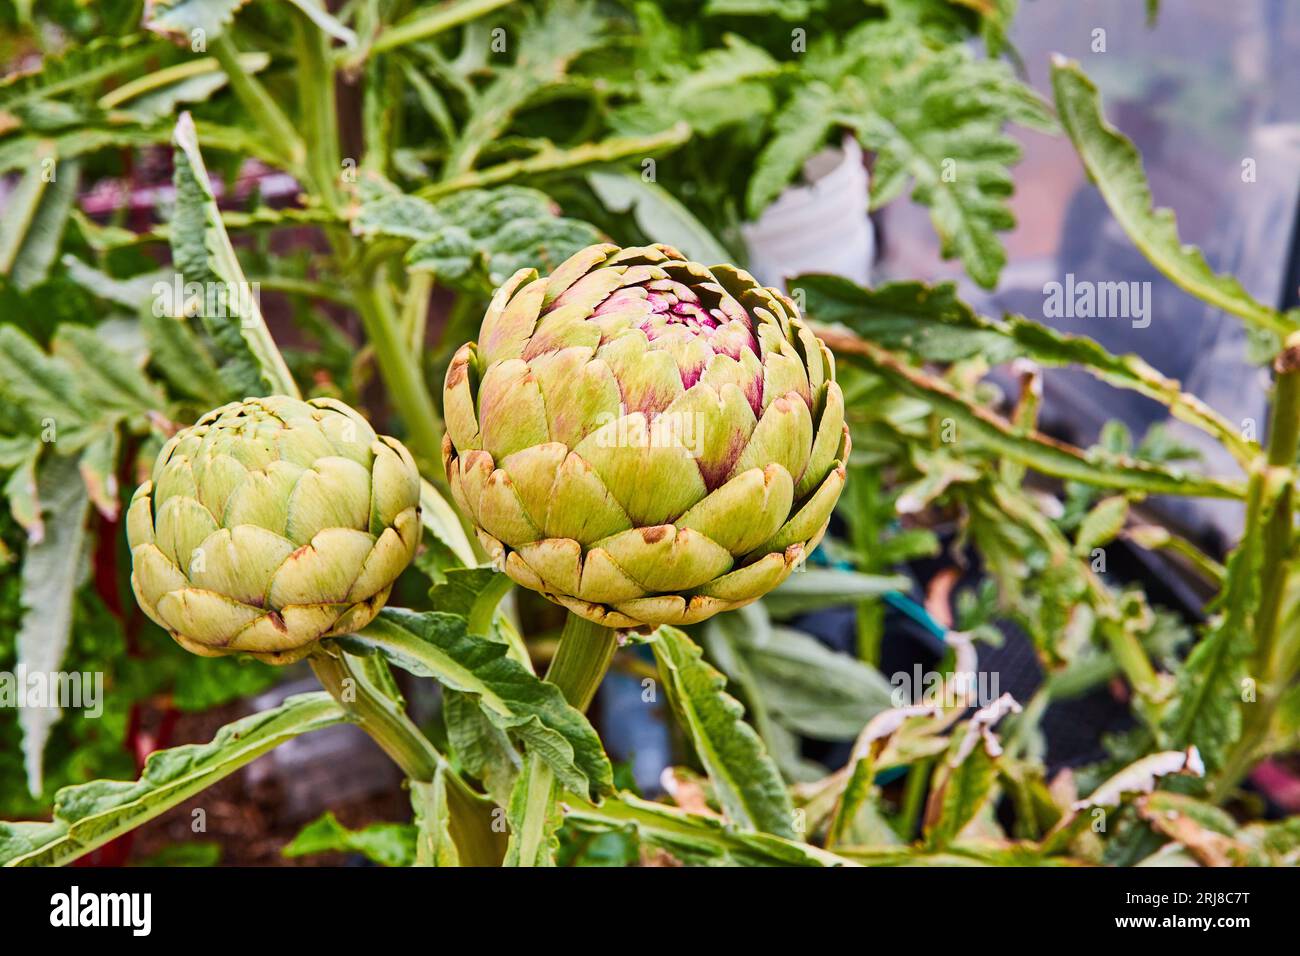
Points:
(32, 231)
(108, 378)
(42, 387)
(88, 815)
(78, 67)
(98, 467)
(548, 41)
(439, 645)
(1102, 524)
(434, 845)
(182, 358)
(932, 323)
(693, 838)
(1206, 710)
(1115, 166)
(481, 747)
(156, 95)
(1032, 449)
(52, 570)
(746, 781)
(202, 252)
(800, 129)
(534, 816)
(180, 19)
(388, 844)
(477, 238)
(20, 490)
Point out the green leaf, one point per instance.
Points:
(812, 589)
(658, 213)
(933, 324)
(388, 844)
(315, 11)
(440, 646)
(427, 21)
(545, 44)
(182, 358)
(108, 378)
(534, 816)
(934, 114)
(180, 19)
(1101, 525)
(155, 96)
(746, 781)
(1033, 450)
(474, 240)
(202, 252)
(16, 152)
(810, 688)
(78, 67)
(52, 570)
(692, 838)
(1115, 165)
(480, 746)
(800, 130)
(962, 791)
(98, 466)
(1206, 710)
(41, 387)
(30, 236)
(434, 845)
(88, 815)
(20, 488)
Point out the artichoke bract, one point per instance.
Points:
(271, 523)
(643, 439)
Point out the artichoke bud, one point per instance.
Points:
(272, 523)
(643, 439)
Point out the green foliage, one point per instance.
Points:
(645, 122)
(388, 844)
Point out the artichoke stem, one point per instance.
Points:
(381, 719)
(388, 725)
(581, 659)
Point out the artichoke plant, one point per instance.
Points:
(271, 523)
(643, 439)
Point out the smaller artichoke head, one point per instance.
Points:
(272, 523)
(643, 439)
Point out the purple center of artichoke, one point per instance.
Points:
(672, 313)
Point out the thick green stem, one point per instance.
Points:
(253, 96)
(1131, 657)
(1271, 654)
(377, 716)
(1283, 440)
(389, 726)
(401, 370)
(581, 659)
(577, 668)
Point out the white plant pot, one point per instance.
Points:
(820, 226)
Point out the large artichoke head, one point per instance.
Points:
(643, 439)
(272, 523)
